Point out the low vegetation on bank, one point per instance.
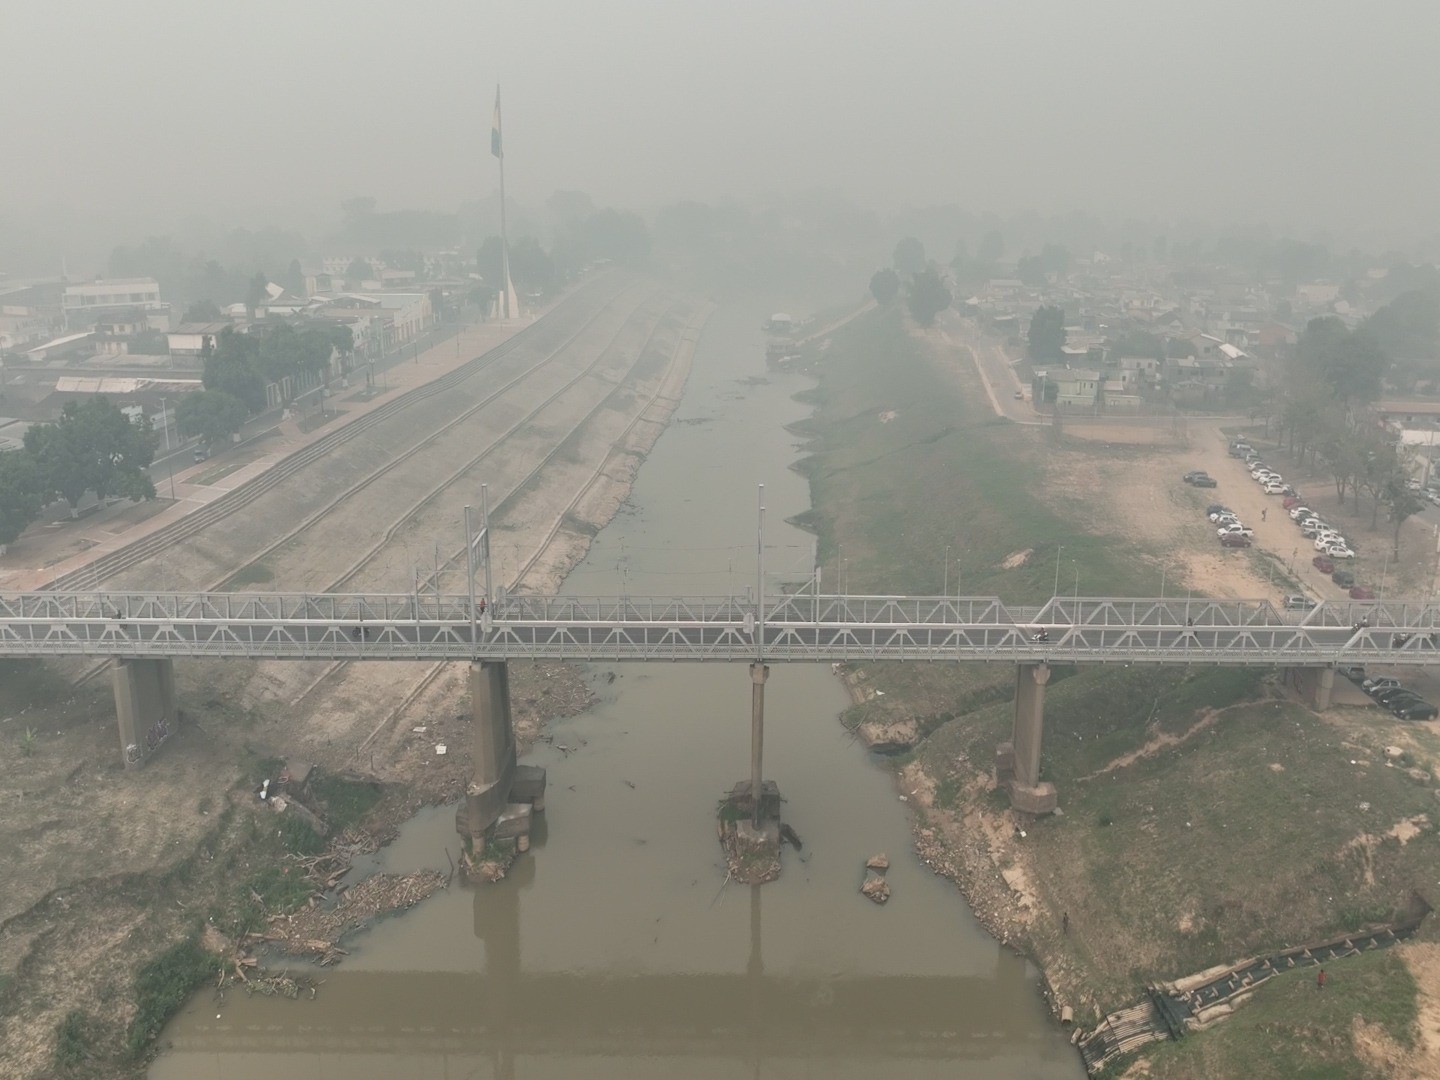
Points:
(1207, 815)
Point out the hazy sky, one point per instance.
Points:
(1296, 112)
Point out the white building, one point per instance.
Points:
(83, 303)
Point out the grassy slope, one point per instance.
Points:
(1291, 1029)
(1199, 854)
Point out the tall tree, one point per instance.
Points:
(992, 247)
(1046, 336)
(1031, 270)
(21, 494)
(213, 415)
(202, 311)
(909, 257)
(927, 296)
(257, 293)
(93, 447)
(1351, 363)
(294, 279)
(1400, 504)
(885, 286)
(359, 270)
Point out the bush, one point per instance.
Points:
(346, 801)
(299, 838)
(72, 1040)
(162, 986)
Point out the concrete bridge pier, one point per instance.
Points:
(1315, 684)
(144, 704)
(1017, 762)
(501, 796)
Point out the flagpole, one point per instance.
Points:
(504, 238)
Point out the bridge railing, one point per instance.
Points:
(816, 628)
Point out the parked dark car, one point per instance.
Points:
(1395, 695)
(1291, 501)
(1354, 672)
(1216, 508)
(1343, 578)
(1323, 564)
(1361, 592)
(1237, 540)
(1205, 482)
(1193, 475)
(1422, 710)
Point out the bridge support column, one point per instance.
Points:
(144, 705)
(758, 674)
(1315, 685)
(1017, 763)
(501, 796)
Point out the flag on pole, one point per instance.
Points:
(495, 147)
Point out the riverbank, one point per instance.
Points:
(1206, 815)
(111, 876)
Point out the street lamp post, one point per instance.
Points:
(1055, 590)
(1076, 599)
(945, 588)
(165, 419)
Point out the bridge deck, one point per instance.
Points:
(380, 626)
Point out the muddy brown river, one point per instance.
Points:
(616, 950)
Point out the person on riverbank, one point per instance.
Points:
(1320, 979)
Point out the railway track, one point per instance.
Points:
(365, 482)
(132, 555)
(506, 500)
(688, 336)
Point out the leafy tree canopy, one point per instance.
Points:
(21, 494)
(927, 296)
(202, 311)
(1046, 336)
(213, 415)
(885, 286)
(93, 447)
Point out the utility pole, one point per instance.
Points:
(497, 147)
(470, 572)
(165, 419)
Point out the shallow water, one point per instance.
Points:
(616, 949)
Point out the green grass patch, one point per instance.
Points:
(162, 986)
(1255, 834)
(1291, 1028)
(299, 838)
(73, 1040)
(346, 802)
(944, 472)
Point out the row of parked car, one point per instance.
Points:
(1331, 545)
(1231, 531)
(1389, 692)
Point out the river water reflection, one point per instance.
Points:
(615, 950)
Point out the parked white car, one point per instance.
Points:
(1235, 529)
(1300, 513)
(1325, 540)
(1274, 487)
(1339, 551)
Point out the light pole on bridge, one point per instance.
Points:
(1055, 591)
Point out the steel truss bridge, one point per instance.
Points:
(795, 628)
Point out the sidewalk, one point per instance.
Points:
(43, 552)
